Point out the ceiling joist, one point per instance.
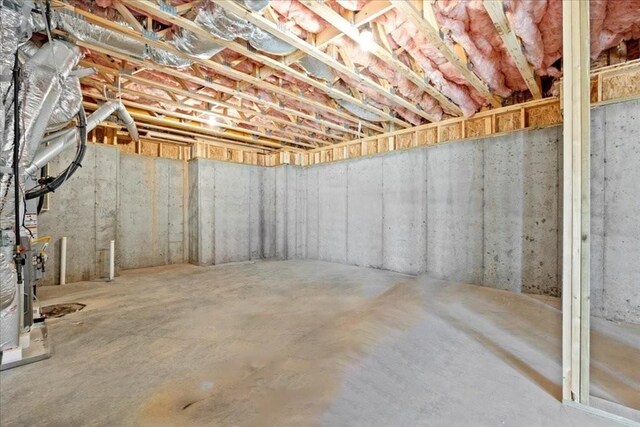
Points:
(495, 9)
(433, 35)
(318, 54)
(229, 71)
(383, 54)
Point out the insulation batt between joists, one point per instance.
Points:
(537, 24)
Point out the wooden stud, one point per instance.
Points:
(576, 203)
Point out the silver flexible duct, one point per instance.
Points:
(76, 25)
(45, 74)
(68, 105)
(227, 26)
(255, 5)
(317, 68)
(67, 138)
(195, 45)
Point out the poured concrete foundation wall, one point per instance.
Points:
(151, 212)
(136, 201)
(615, 211)
(232, 212)
(483, 211)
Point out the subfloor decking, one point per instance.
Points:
(306, 343)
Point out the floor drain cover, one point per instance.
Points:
(59, 310)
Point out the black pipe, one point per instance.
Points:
(16, 163)
(52, 185)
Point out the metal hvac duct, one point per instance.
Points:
(317, 68)
(255, 5)
(82, 30)
(359, 111)
(15, 30)
(62, 140)
(229, 27)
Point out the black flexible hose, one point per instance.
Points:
(43, 175)
(16, 162)
(71, 169)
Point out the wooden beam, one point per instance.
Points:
(576, 235)
(495, 9)
(433, 36)
(334, 18)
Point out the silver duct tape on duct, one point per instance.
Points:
(359, 111)
(15, 30)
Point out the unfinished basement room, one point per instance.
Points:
(320, 213)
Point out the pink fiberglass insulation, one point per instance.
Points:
(471, 27)
(394, 76)
(538, 24)
(620, 21)
(444, 77)
(524, 17)
(296, 12)
(551, 32)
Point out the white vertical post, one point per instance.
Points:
(63, 261)
(576, 202)
(112, 260)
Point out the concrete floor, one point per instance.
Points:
(306, 343)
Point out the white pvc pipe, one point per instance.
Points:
(63, 261)
(112, 260)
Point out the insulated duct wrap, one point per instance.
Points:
(317, 68)
(68, 105)
(255, 5)
(227, 26)
(15, 30)
(195, 45)
(44, 76)
(60, 141)
(91, 33)
(359, 111)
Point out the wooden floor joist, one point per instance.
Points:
(187, 24)
(151, 98)
(226, 70)
(432, 34)
(383, 54)
(314, 52)
(495, 9)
